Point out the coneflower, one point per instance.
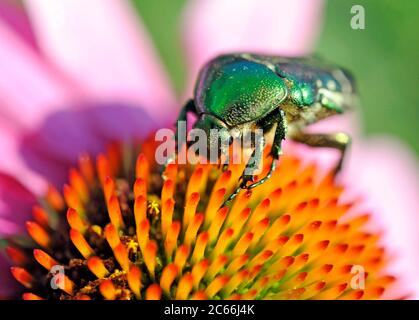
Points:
(121, 231)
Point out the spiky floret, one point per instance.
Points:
(122, 232)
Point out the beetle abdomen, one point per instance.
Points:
(314, 81)
(328, 85)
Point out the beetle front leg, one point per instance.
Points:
(248, 173)
(183, 115)
(276, 152)
(339, 141)
(253, 164)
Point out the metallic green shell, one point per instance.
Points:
(314, 81)
(237, 90)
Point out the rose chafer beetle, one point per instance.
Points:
(248, 91)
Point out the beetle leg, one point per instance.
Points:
(232, 196)
(276, 152)
(183, 115)
(339, 141)
(247, 175)
(253, 164)
(224, 163)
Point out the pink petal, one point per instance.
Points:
(119, 122)
(33, 102)
(280, 27)
(9, 287)
(14, 164)
(386, 173)
(102, 46)
(14, 14)
(28, 89)
(45, 154)
(63, 136)
(16, 203)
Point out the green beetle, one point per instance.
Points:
(248, 91)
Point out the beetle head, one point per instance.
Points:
(217, 134)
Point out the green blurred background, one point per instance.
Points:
(384, 56)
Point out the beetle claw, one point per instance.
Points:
(245, 179)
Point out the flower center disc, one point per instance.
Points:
(121, 231)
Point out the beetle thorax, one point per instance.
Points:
(238, 91)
